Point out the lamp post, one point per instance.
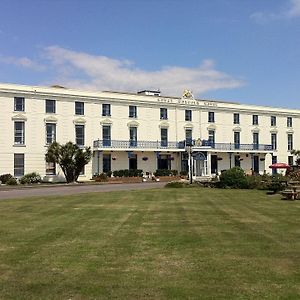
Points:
(188, 145)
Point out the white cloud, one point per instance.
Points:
(82, 70)
(292, 11)
(24, 62)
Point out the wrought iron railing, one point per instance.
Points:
(179, 145)
(236, 146)
(138, 144)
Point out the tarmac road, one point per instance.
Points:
(61, 190)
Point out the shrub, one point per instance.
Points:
(183, 173)
(12, 181)
(128, 173)
(30, 178)
(162, 172)
(175, 184)
(277, 183)
(5, 177)
(109, 173)
(174, 172)
(233, 178)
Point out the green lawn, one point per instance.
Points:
(156, 244)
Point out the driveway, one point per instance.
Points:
(61, 190)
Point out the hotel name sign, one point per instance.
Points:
(187, 102)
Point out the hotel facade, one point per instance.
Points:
(141, 131)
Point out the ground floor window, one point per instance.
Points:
(274, 161)
(237, 162)
(185, 162)
(18, 165)
(106, 163)
(50, 168)
(290, 160)
(164, 162)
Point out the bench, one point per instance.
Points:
(290, 194)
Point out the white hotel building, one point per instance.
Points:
(144, 130)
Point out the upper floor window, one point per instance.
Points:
(211, 117)
(106, 135)
(19, 133)
(274, 141)
(254, 119)
(50, 133)
(50, 106)
(188, 115)
(132, 111)
(79, 108)
(79, 134)
(236, 118)
(273, 121)
(163, 113)
(289, 122)
(105, 109)
(19, 104)
(189, 137)
(237, 139)
(164, 137)
(211, 137)
(255, 140)
(133, 136)
(290, 142)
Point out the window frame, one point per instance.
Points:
(79, 108)
(211, 117)
(236, 118)
(19, 166)
(132, 113)
(289, 122)
(188, 115)
(255, 120)
(52, 107)
(50, 169)
(51, 134)
(19, 134)
(273, 121)
(163, 113)
(106, 110)
(79, 137)
(22, 104)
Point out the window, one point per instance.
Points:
(19, 133)
(188, 115)
(132, 112)
(236, 118)
(211, 117)
(211, 138)
(163, 113)
(106, 135)
(164, 137)
(79, 108)
(273, 121)
(290, 160)
(18, 165)
(274, 141)
(189, 137)
(19, 104)
(290, 142)
(133, 136)
(79, 135)
(274, 161)
(50, 106)
(289, 122)
(236, 138)
(105, 109)
(254, 119)
(50, 133)
(255, 141)
(50, 168)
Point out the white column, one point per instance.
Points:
(208, 164)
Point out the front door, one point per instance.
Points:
(133, 162)
(256, 164)
(214, 164)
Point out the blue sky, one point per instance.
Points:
(245, 51)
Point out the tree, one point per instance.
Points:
(70, 158)
(297, 153)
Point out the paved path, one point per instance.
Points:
(58, 190)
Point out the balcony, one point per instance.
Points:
(237, 147)
(139, 145)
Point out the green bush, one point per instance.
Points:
(174, 172)
(109, 173)
(128, 173)
(183, 173)
(12, 181)
(30, 178)
(233, 178)
(5, 177)
(277, 183)
(175, 184)
(162, 172)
